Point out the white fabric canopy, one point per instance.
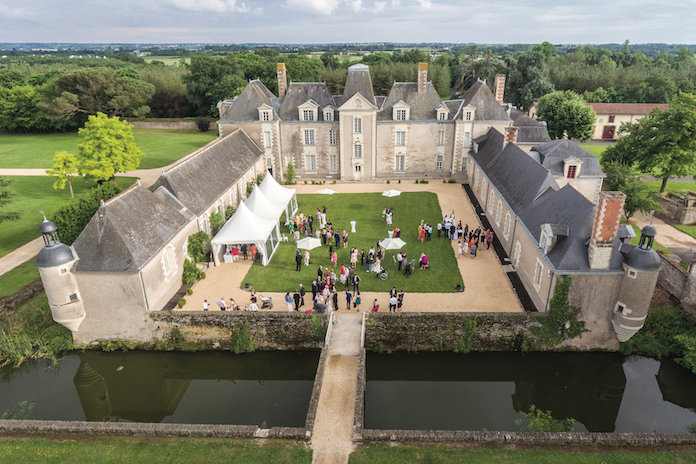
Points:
(277, 193)
(263, 206)
(247, 227)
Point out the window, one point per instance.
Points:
(357, 125)
(441, 137)
(307, 115)
(289, 160)
(400, 139)
(328, 116)
(611, 118)
(467, 116)
(204, 222)
(265, 116)
(267, 139)
(269, 162)
(332, 137)
(233, 197)
(311, 162)
(220, 207)
(309, 137)
(443, 116)
(538, 273)
(516, 254)
(400, 115)
(357, 151)
(491, 201)
(632, 274)
(73, 297)
(168, 263)
(483, 188)
(333, 165)
(438, 162)
(506, 230)
(476, 177)
(543, 241)
(499, 212)
(571, 172)
(400, 163)
(63, 271)
(467, 139)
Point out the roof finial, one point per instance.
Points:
(41, 212)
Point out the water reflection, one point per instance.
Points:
(488, 390)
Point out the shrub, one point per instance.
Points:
(305, 182)
(451, 181)
(334, 181)
(181, 303)
(191, 274)
(537, 420)
(388, 181)
(229, 212)
(319, 328)
(241, 341)
(71, 219)
(189, 291)
(659, 337)
(399, 180)
(290, 175)
(203, 124)
(216, 222)
(197, 246)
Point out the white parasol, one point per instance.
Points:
(391, 193)
(308, 243)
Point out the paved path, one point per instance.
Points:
(20, 255)
(680, 243)
(333, 426)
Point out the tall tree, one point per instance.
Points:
(624, 178)
(566, 112)
(107, 147)
(663, 143)
(65, 166)
(6, 195)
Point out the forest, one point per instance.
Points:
(55, 93)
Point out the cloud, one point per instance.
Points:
(16, 13)
(380, 6)
(323, 7)
(211, 6)
(243, 8)
(356, 6)
(425, 4)
(257, 11)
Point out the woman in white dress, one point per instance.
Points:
(306, 258)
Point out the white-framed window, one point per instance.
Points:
(309, 137)
(357, 150)
(476, 178)
(400, 139)
(538, 274)
(269, 162)
(204, 224)
(467, 116)
(441, 137)
(289, 160)
(491, 201)
(632, 273)
(483, 187)
(332, 137)
(220, 207)
(499, 212)
(307, 115)
(400, 163)
(265, 115)
(467, 139)
(516, 254)
(168, 262)
(543, 241)
(233, 196)
(333, 163)
(267, 139)
(400, 115)
(311, 162)
(328, 115)
(506, 229)
(357, 124)
(438, 162)
(443, 116)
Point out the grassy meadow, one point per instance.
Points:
(36, 151)
(366, 209)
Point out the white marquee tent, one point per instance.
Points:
(277, 193)
(247, 227)
(263, 206)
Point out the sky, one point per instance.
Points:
(351, 21)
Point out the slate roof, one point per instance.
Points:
(245, 105)
(359, 80)
(487, 107)
(552, 154)
(518, 177)
(199, 180)
(454, 107)
(626, 108)
(423, 105)
(127, 231)
(299, 93)
(530, 130)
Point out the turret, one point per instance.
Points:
(55, 262)
(642, 265)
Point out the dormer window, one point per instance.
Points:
(468, 116)
(550, 234)
(308, 111)
(401, 111)
(442, 113)
(572, 167)
(307, 115)
(265, 116)
(400, 115)
(571, 172)
(442, 116)
(611, 118)
(328, 115)
(265, 113)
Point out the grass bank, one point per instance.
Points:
(151, 450)
(35, 193)
(366, 209)
(36, 151)
(13, 281)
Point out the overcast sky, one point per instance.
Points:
(328, 21)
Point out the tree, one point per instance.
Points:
(566, 112)
(290, 174)
(107, 147)
(663, 143)
(6, 195)
(65, 166)
(623, 178)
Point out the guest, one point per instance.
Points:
(288, 302)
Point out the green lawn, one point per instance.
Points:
(378, 454)
(150, 450)
(671, 186)
(597, 150)
(36, 193)
(366, 208)
(160, 148)
(13, 281)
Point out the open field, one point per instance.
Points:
(366, 208)
(596, 150)
(160, 148)
(36, 193)
(167, 60)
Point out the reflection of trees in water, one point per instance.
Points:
(677, 384)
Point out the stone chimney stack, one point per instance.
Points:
(282, 81)
(499, 87)
(511, 134)
(422, 76)
(605, 228)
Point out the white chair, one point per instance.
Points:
(285, 238)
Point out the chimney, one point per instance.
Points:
(422, 76)
(605, 229)
(511, 134)
(282, 81)
(499, 87)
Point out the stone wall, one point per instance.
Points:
(677, 282)
(675, 211)
(442, 331)
(179, 124)
(268, 330)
